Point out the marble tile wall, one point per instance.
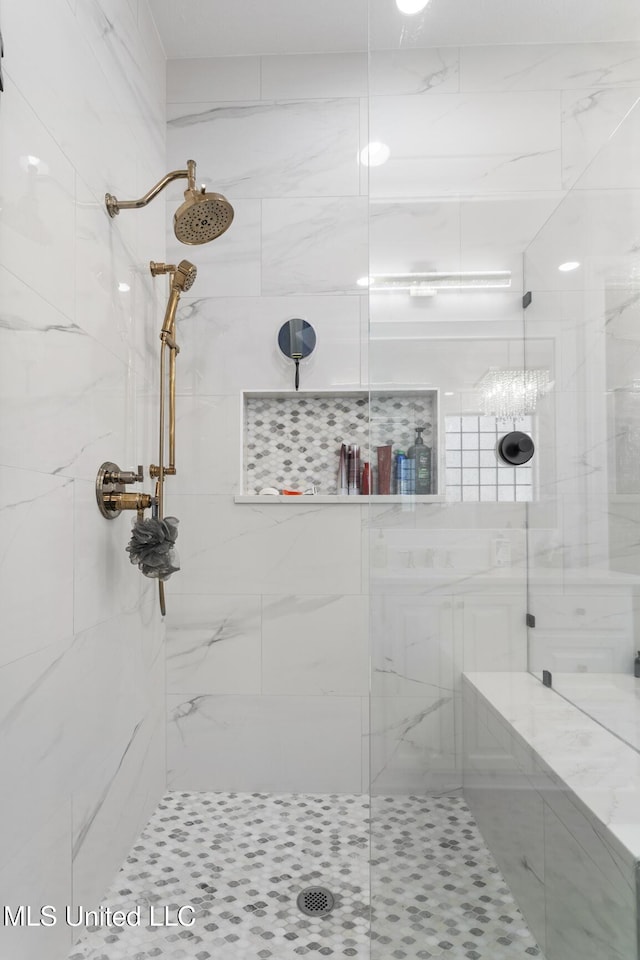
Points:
(267, 657)
(81, 676)
(481, 153)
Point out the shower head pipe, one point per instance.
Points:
(202, 217)
(114, 206)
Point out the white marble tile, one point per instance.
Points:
(63, 411)
(77, 103)
(315, 645)
(106, 829)
(314, 76)
(585, 917)
(415, 235)
(230, 265)
(419, 70)
(104, 581)
(254, 150)
(611, 170)
(37, 216)
(549, 66)
(213, 78)
(36, 524)
(412, 646)
(265, 549)
(39, 875)
(515, 142)
(314, 246)
(34, 693)
(510, 813)
(214, 644)
(412, 745)
(228, 345)
(135, 70)
(278, 744)
(209, 432)
(589, 118)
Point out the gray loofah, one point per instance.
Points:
(152, 547)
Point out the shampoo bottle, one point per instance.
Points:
(420, 453)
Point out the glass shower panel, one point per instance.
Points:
(447, 571)
(583, 326)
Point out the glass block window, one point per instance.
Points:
(473, 471)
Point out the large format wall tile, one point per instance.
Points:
(214, 644)
(549, 66)
(466, 144)
(240, 549)
(82, 721)
(231, 344)
(38, 875)
(289, 148)
(315, 645)
(284, 744)
(314, 246)
(37, 240)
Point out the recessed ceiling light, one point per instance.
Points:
(124, 287)
(569, 265)
(374, 154)
(411, 6)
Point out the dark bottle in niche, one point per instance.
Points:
(636, 666)
(420, 453)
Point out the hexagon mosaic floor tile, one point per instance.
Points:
(240, 861)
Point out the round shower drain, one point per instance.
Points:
(316, 901)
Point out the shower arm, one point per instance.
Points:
(114, 206)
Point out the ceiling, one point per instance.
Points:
(217, 28)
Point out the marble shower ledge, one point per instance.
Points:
(318, 498)
(597, 768)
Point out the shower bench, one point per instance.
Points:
(557, 798)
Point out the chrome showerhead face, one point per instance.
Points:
(202, 217)
(185, 275)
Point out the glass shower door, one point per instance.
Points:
(583, 326)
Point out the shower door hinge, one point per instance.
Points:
(531, 620)
(546, 678)
(526, 300)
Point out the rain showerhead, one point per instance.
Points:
(202, 217)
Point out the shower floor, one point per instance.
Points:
(240, 861)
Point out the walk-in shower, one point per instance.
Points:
(392, 720)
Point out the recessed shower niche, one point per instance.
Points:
(292, 440)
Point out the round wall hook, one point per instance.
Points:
(516, 448)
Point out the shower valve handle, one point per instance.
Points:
(125, 476)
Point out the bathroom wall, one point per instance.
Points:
(81, 672)
(267, 656)
(268, 618)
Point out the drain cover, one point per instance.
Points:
(316, 901)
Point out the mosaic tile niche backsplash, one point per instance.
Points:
(294, 441)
